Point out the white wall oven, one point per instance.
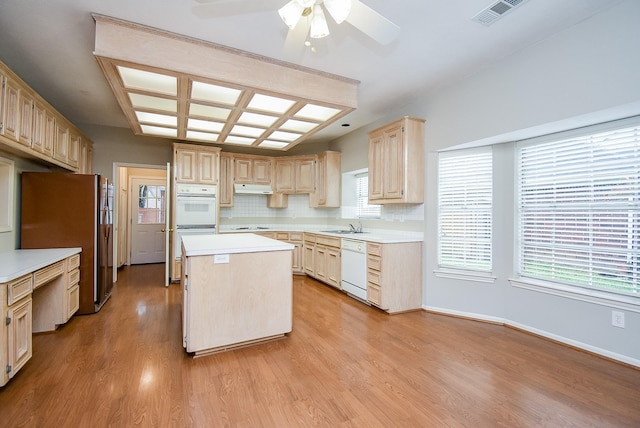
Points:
(196, 212)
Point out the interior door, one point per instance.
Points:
(149, 199)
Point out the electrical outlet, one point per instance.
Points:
(617, 319)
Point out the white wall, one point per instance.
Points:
(584, 75)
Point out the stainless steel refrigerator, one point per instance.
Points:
(72, 210)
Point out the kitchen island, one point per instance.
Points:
(237, 291)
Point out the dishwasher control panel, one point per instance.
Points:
(353, 245)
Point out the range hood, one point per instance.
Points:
(252, 189)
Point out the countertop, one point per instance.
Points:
(374, 235)
(15, 263)
(230, 243)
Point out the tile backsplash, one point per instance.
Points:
(248, 206)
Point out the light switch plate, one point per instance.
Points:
(220, 258)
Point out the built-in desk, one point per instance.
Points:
(38, 292)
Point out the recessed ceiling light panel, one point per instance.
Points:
(214, 93)
(204, 125)
(153, 103)
(202, 136)
(158, 119)
(208, 111)
(284, 136)
(257, 119)
(247, 131)
(159, 131)
(316, 112)
(298, 125)
(233, 139)
(273, 144)
(270, 104)
(133, 78)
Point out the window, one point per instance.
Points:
(364, 210)
(579, 210)
(151, 204)
(465, 204)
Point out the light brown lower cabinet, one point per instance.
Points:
(394, 276)
(322, 258)
(36, 302)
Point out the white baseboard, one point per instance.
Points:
(589, 348)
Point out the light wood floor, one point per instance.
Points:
(344, 364)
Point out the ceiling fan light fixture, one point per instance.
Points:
(319, 27)
(338, 9)
(291, 13)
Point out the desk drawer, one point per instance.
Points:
(19, 288)
(48, 273)
(74, 262)
(74, 277)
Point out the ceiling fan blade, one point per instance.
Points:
(372, 23)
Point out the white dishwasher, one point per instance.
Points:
(354, 268)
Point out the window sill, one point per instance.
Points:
(464, 275)
(628, 303)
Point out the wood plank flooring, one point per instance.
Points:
(344, 365)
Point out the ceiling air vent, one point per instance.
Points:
(495, 11)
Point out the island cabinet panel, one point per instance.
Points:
(227, 305)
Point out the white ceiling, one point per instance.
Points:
(50, 45)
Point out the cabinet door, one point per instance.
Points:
(19, 329)
(320, 261)
(296, 258)
(208, 167)
(243, 171)
(61, 142)
(262, 171)
(319, 196)
(394, 164)
(39, 127)
(333, 267)
(10, 110)
(226, 181)
(186, 161)
(73, 154)
(285, 176)
(309, 250)
(376, 170)
(305, 176)
(25, 134)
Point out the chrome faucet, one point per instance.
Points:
(353, 229)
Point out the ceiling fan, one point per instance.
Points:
(315, 25)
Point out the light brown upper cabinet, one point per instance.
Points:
(295, 174)
(196, 164)
(34, 129)
(396, 162)
(252, 169)
(328, 181)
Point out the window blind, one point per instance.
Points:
(465, 205)
(579, 210)
(364, 209)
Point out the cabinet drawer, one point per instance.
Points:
(46, 274)
(19, 288)
(374, 248)
(74, 262)
(373, 276)
(328, 241)
(282, 236)
(74, 278)
(373, 262)
(374, 294)
(73, 300)
(310, 238)
(295, 236)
